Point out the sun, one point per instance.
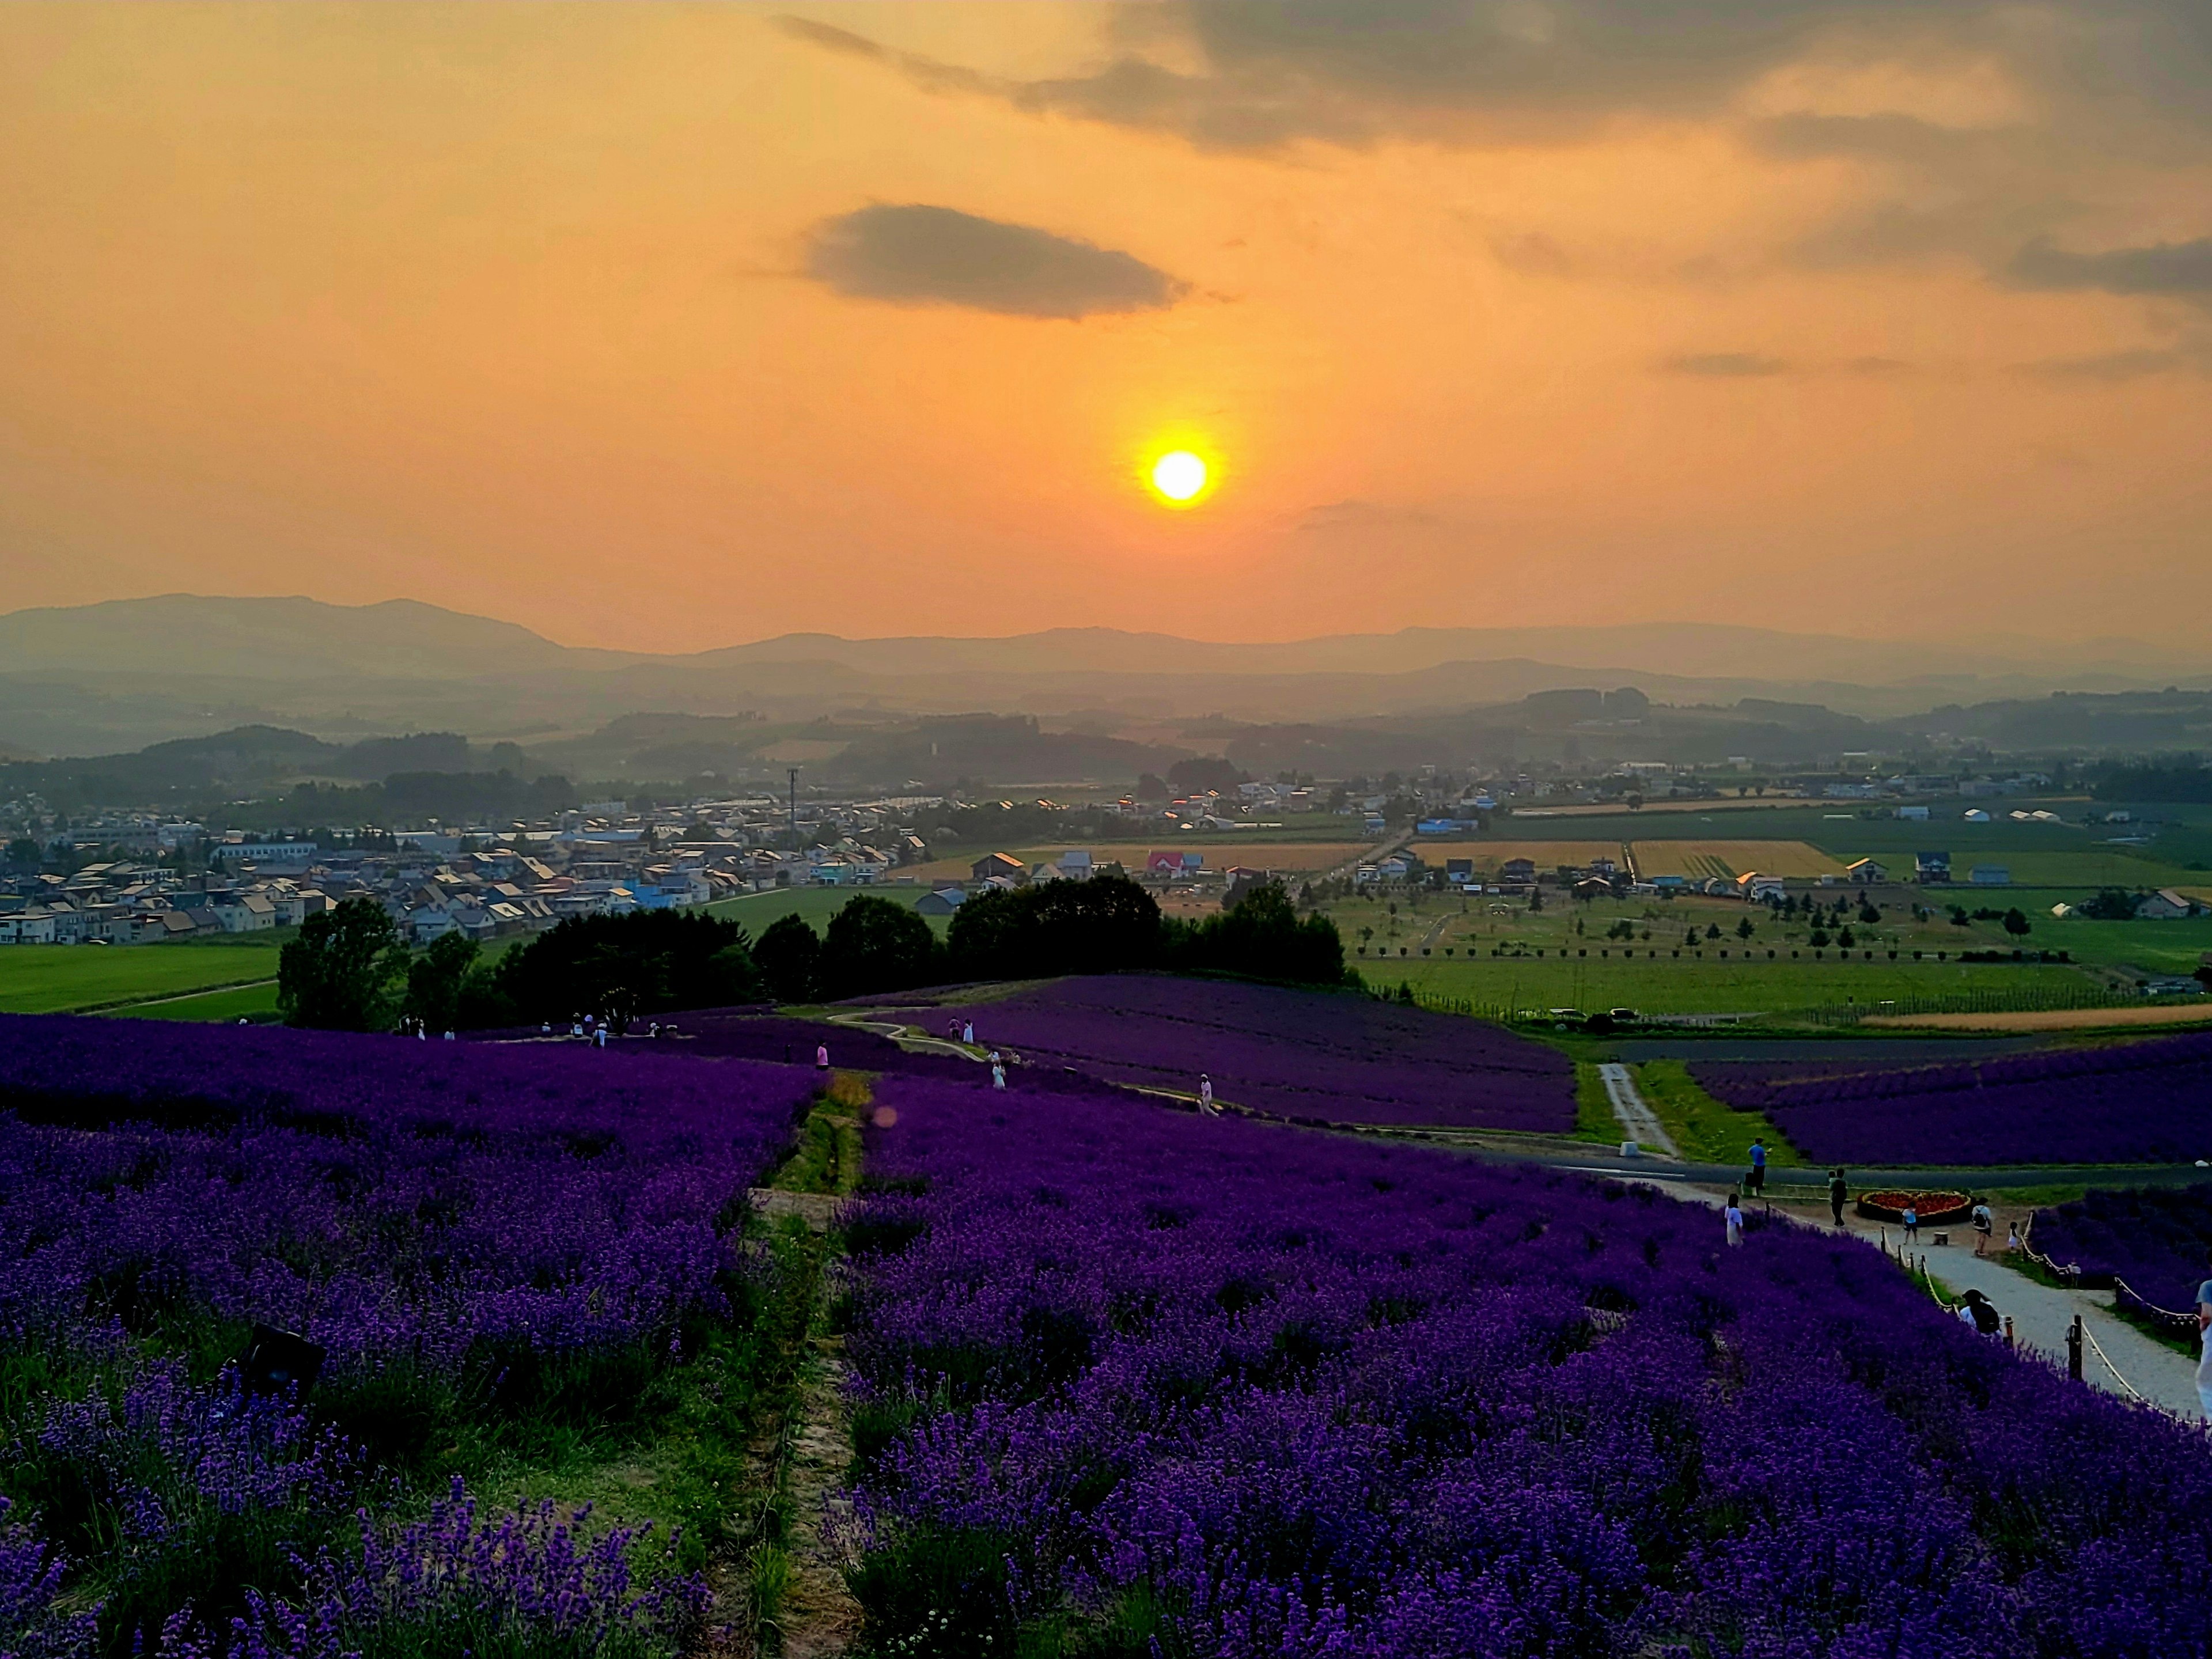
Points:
(1180, 477)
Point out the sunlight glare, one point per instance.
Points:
(1179, 475)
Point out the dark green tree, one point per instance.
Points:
(643, 962)
(434, 980)
(789, 956)
(23, 854)
(1745, 928)
(2016, 923)
(1260, 937)
(875, 944)
(1106, 925)
(338, 975)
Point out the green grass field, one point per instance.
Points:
(54, 979)
(256, 1003)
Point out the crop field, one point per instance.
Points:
(531, 1268)
(2154, 1016)
(1304, 1054)
(1795, 859)
(1151, 1383)
(51, 979)
(1687, 956)
(1799, 989)
(1488, 854)
(2136, 1102)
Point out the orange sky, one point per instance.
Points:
(630, 322)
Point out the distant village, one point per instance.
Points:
(152, 880)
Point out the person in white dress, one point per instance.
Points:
(1206, 1095)
(1735, 1217)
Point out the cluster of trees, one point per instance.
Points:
(348, 970)
(2187, 779)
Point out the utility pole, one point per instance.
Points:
(794, 774)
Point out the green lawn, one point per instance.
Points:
(816, 905)
(256, 1003)
(53, 979)
(2163, 947)
(1705, 1130)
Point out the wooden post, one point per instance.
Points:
(2008, 1341)
(2074, 1349)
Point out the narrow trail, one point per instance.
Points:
(1633, 1111)
(817, 1617)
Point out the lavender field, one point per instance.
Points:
(1150, 1384)
(1307, 1055)
(2154, 1239)
(2137, 1103)
(502, 1249)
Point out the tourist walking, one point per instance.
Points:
(1734, 1215)
(1758, 1182)
(821, 1057)
(2204, 1337)
(967, 1032)
(1984, 1225)
(1837, 1191)
(2012, 1235)
(1911, 1224)
(998, 1071)
(1206, 1095)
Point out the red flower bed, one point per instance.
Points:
(1934, 1209)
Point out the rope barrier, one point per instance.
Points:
(2134, 1393)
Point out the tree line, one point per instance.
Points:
(348, 971)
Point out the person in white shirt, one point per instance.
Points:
(1206, 1095)
(1735, 1218)
(2203, 1326)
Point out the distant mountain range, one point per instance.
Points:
(114, 677)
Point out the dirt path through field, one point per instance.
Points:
(1634, 1112)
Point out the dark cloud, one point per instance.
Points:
(2181, 268)
(920, 255)
(1725, 365)
(1350, 71)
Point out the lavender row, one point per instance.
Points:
(1239, 1392)
(419, 1204)
(476, 1234)
(1311, 1056)
(2157, 1240)
(2147, 1102)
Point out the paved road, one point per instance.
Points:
(1638, 1120)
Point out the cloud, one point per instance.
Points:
(2116, 367)
(1258, 75)
(2176, 268)
(919, 255)
(1725, 365)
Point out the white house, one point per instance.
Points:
(2166, 905)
